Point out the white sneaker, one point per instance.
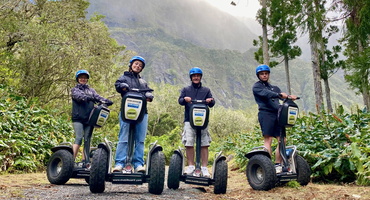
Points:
(205, 172)
(117, 168)
(278, 168)
(127, 169)
(190, 169)
(140, 169)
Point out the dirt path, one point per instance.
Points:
(36, 186)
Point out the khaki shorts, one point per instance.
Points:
(189, 136)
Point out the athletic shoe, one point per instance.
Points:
(278, 168)
(140, 169)
(117, 168)
(190, 170)
(127, 169)
(205, 172)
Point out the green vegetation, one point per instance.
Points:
(336, 146)
(43, 44)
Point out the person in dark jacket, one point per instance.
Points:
(83, 99)
(267, 97)
(195, 91)
(131, 79)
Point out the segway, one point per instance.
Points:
(199, 117)
(261, 172)
(61, 166)
(133, 108)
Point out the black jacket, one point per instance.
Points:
(196, 92)
(266, 96)
(132, 80)
(83, 99)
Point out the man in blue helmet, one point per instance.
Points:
(267, 97)
(83, 99)
(195, 91)
(132, 79)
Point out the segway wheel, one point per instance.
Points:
(156, 172)
(261, 173)
(303, 171)
(60, 167)
(174, 172)
(98, 171)
(220, 177)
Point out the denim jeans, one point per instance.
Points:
(139, 138)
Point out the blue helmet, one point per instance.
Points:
(195, 70)
(261, 68)
(137, 58)
(79, 72)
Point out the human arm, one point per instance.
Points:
(80, 96)
(122, 85)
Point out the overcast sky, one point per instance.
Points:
(243, 8)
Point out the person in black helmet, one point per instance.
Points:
(132, 79)
(195, 92)
(83, 99)
(267, 97)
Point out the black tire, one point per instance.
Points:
(60, 167)
(98, 171)
(261, 173)
(174, 172)
(156, 172)
(303, 171)
(220, 177)
(87, 179)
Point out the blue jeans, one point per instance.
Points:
(139, 138)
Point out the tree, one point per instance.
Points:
(283, 21)
(313, 15)
(262, 55)
(49, 41)
(356, 40)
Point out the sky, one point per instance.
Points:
(243, 8)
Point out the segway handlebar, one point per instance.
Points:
(141, 90)
(198, 101)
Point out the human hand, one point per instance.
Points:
(293, 97)
(187, 99)
(208, 100)
(108, 102)
(125, 87)
(283, 95)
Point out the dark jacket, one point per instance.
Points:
(196, 92)
(83, 99)
(130, 80)
(266, 96)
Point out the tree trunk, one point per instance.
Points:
(316, 74)
(265, 47)
(286, 62)
(328, 97)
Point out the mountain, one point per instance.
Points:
(174, 36)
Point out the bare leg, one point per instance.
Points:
(75, 148)
(204, 156)
(267, 143)
(190, 155)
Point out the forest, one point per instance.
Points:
(43, 43)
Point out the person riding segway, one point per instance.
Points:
(197, 100)
(129, 163)
(85, 116)
(274, 118)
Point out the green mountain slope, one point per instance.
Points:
(175, 36)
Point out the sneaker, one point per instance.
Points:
(190, 169)
(117, 168)
(127, 169)
(205, 172)
(140, 169)
(278, 168)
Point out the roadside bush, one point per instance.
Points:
(27, 133)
